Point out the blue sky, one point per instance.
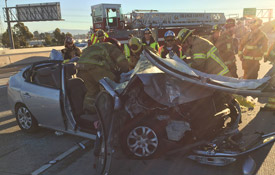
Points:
(76, 13)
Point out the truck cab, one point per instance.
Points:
(107, 16)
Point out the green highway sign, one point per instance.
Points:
(249, 12)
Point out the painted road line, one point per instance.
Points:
(59, 158)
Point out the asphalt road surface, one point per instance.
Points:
(22, 153)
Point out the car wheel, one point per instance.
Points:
(142, 140)
(25, 119)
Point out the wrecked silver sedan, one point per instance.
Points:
(48, 94)
(166, 106)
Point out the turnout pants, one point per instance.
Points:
(233, 69)
(91, 74)
(250, 68)
(271, 103)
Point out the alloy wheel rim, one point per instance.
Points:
(142, 141)
(24, 117)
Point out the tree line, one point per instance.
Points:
(21, 36)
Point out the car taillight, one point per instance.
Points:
(8, 83)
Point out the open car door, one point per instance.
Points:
(105, 134)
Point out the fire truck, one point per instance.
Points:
(109, 18)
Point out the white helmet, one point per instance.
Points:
(169, 33)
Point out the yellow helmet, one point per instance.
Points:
(215, 27)
(183, 34)
(100, 33)
(135, 44)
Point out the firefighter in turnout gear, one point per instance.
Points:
(70, 51)
(96, 62)
(170, 45)
(98, 36)
(204, 55)
(253, 47)
(135, 50)
(215, 34)
(104, 37)
(101, 35)
(148, 40)
(226, 47)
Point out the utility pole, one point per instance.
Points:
(9, 26)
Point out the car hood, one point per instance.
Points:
(153, 71)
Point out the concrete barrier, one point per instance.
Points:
(7, 51)
(15, 57)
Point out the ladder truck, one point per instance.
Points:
(109, 18)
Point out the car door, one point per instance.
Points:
(41, 94)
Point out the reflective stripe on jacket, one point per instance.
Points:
(205, 57)
(94, 39)
(271, 103)
(127, 51)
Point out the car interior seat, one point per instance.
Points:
(48, 76)
(76, 91)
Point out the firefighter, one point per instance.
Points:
(70, 51)
(226, 46)
(148, 40)
(240, 29)
(136, 48)
(96, 62)
(170, 45)
(101, 35)
(270, 106)
(203, 53)
(253, 47)
(215, 34)
(104, 37)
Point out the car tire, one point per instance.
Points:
(25, 119)
(142, 139)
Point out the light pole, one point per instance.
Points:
(9, 26)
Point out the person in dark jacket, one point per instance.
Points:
(170, 45)
(70, 51)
